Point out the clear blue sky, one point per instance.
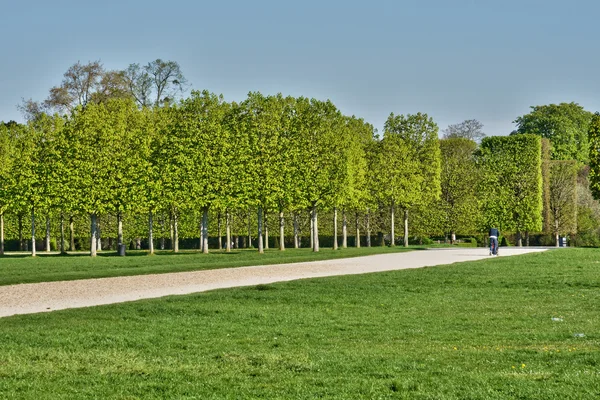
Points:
(453, 59)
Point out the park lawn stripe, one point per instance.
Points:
(15, 269)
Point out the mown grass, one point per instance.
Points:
(476, 330)
(45, 268)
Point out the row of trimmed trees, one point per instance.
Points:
(274, 155)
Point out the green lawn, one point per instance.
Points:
(476, 330)
(45, 268)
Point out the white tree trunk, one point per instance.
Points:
(260, 231)
(344, 230)
(47, 234)
(281, 231)
(119, 229)
(357, 232)
(520, 239)
(228, 230)
(71, 233)
(150, 232)
(201, 240)
(32, 232)
(162, 229)
(175, 233)
(249, 229)
(98, 239)
(172, 230)
(392, 237)
(205, 231)
(93, 241)
(62, 234)
(1, 234)
(368, 222)
(20, 232)
(312, 230)
(296, 241)
(335, 240)
(405, 228)
(315, 229)
(220, 239)
(266, 227)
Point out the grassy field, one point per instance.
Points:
(524, 327)
(46, 268)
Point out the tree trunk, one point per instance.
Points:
(519, 239)
(150, 232)
(392, 238)
(368, 222)
(119, 229)
(32, 232)
(315, 229)
(281, 231)
(344, 230)
(227, 230)
(312, 230)
(47, 244)
(406, 228)
(527, 238)
(237, 242)
(357, 232)
(62, 233)
(335, 241)
(172, 231)
(205, 230)
(260, 230)
(557, 237)
(71, 233)
(296, 241)
(266, 227)
(162, 229)
(249, 229)
(93, 241)
(1, 234)
(98, 238)
(20, 232)
(219, 231)
(175, 242)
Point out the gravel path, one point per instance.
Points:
(50, 296)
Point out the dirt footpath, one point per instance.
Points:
(49, 296)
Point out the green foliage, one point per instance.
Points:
(546, 157)
(563, 196)
(594, 155)
(458, 207)
(511, 184)
(565, 124)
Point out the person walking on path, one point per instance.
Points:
(494, 234)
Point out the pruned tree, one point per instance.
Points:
(511, 184)
(458, 207)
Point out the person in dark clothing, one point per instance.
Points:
(494, 234)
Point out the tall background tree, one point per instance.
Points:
(565, 124)
(470, 129)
